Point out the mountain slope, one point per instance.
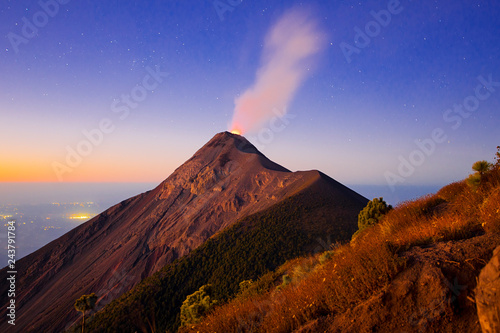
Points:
(226, 180)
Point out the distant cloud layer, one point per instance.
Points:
(288, 49)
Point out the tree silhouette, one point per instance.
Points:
(85, 303)
(481, 167)
(497, 158)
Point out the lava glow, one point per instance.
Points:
(235, 131)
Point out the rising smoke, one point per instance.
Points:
(286, 59)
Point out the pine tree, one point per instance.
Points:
(85, 303)
(373, 213)
(481, 167)
(497, 158)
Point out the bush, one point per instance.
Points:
(474, 180)
(286, 281)
(245, 285)
(197, 305)
(497, 158)
(325, 256)
(481, 168)
(373, 213)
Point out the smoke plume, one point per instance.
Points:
(286, 59)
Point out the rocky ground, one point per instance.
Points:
(435, 293)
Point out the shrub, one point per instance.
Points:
(286, 281)
(325, 256)
(497, 158)
(492, 179)
(197, 305)
(474, 180)
(481, 168)
(245, 285)
(373, 213)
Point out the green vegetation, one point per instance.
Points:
(197, 305)
(480, 168)
(245, 286)
(374, 211)
(325, 256)
(250, 248)
(497, 158)
(474, 180)
(286, 281)
(84, 304)
(263, 284)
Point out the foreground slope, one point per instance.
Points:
(226, 180)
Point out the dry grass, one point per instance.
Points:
(240, 315)
(349, 277)
(457, 211)
(490, 212)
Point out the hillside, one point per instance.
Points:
(415, 271)
(225, 181)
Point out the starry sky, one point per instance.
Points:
(401, 92)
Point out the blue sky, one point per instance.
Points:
(355, 118)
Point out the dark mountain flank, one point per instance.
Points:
(225, 185)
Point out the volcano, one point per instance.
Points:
(225, 181)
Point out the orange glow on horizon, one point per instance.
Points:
(28, 171)
(24, 172)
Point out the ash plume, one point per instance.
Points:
(286, 59)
